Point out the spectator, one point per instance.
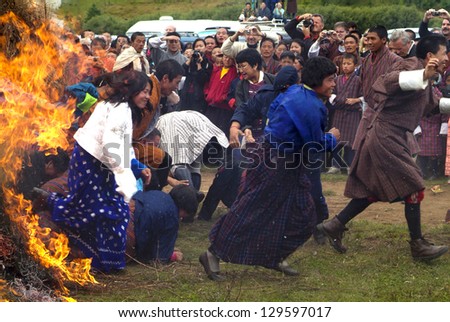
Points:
(253, 35)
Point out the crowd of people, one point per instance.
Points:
(270, 115)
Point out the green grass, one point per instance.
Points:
(377, 267)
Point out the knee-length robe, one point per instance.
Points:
(383, 166)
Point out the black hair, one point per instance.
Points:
(173, 33)
(353, 37)
(126, 85)
(430, 44)
(269, 40)
(350, 56)
(380, 30)
(100, 41)
(287, 54)
(316, 69)
(198, 40)
(136, 34)
(250, 56)
(169, 67)
(356, 32)
(185, 198)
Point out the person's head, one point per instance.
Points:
(120, 41)
(210, 43)
(445, 28)
(267, 48)
(56, 164)
(447, 78)
(287, 76)
(249, 62)
(185, 198)
(154, 137)
(217, 56)
(133, 87)
(281, 47)
(88, 34)
(356, 33)
(318, 23)
(228, 61)
(351, 25)
(173, 41)
(349, 62)
(107, 37)
(287, 58)
(341, 29)
(319, 73)
(350, 44)
(138, 41)
(296, 46)
(188, 52)
(170, 28)
(400, 43)
(263, 5)
(412, 35)
(248, 5)
(433, 46)
(169, 73)
(199, 45)
(298, 62)
(221, 35)
(252, 35)
(98, 46)
(376, 38)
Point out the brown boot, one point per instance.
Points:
(334, 230)
(421, 249)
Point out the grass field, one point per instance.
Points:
(377, 268)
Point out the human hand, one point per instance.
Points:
(249, 136)
(431, 69)
(352, 101)
(336, 133)
(235, 132)
(146, 175)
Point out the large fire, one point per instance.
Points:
(31, 82)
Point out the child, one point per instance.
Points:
(347, 111)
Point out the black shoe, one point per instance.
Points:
(287, 270)
(215, 276)
(421, 249)
(334, 230)
(319, 237)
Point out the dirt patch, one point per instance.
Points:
(434, 207)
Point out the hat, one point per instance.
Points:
(286, 77)
(86, 95)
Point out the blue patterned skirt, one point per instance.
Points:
(272, 216)
(93, 213)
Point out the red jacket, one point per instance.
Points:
(216, 91)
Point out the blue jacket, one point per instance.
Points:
(297, 120)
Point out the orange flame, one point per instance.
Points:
(31, 83)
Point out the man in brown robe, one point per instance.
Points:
(383, 169)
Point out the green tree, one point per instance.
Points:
(92, 12)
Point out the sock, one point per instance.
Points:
(412, 214)
(353, 208)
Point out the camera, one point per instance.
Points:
(435, 13)
(308, 23)
(196, 55)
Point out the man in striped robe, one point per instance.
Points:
(383, 169)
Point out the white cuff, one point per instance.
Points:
(126, 183)
(332, 98)
(444, 105)
(412, 80)
(444, 129)
(418, 130)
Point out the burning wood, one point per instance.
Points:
(32, 60)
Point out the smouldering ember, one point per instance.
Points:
(31, 83)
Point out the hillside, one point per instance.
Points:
(118, 15)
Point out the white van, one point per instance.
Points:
(186, 28)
